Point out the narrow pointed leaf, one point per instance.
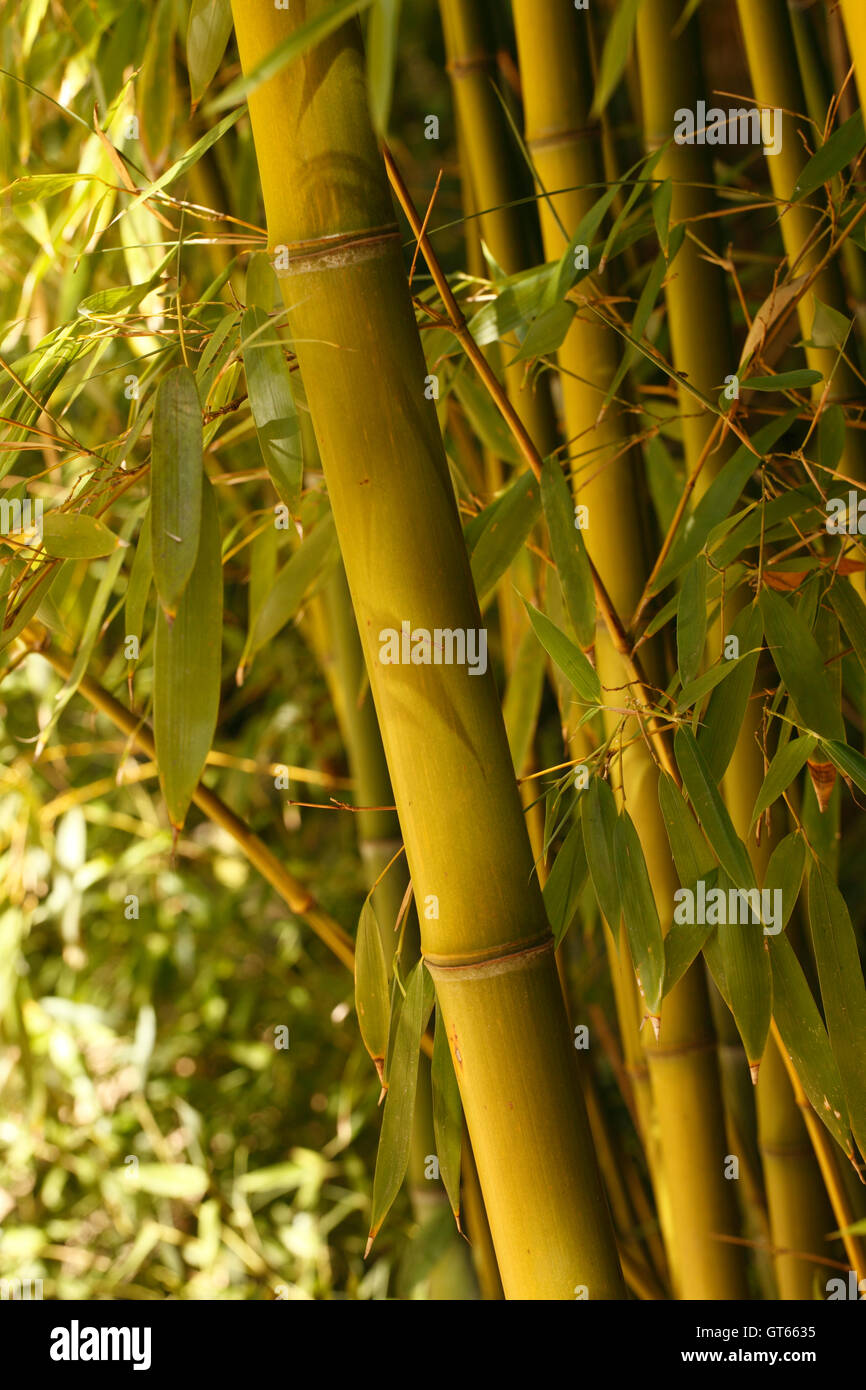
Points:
(639, 912)
(447, 1115)
(842, 990)
(273, 406)
(692, 619)
(569, 552)
(175, 485)
(806, 1042)
(598, 817)
(140, 580)
(576, 667)
(726, 710)
(784, 381)
(503, 528)
(800, 664)
(187, 668)
(313, 557)
(392, 1158)
(710, 810)
(785, 874)
(372, 997)
(843, 146)
(786, 765)
(565, 882)
(746, 964)
(210, 24)
(76, 536)
(849, 762)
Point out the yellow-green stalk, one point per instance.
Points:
(485, 936)
(776, 80)
(683, 1067)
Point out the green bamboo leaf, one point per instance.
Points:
(639, 913)
(380, 45)
(156, 82)
(785, 874)
(692, 619)
(662, 199)
(210, 24)
(710, 810)
(801, 666)
(262, 287)
(705, 683)
(726, 710)
(719, 499)
(569, 552)
(842, 990)
(546, 333)
(693, 861)
(614, 54)
(392, 1158)
(645, 305)
(187, 670)
(842, 147)
(692, 856)
(447, 1115)
(599, 817)
(569, 658)
(784, 381)
(273, 406)
(140, 580)
(523, 698)
(372, 998)
(830, 329)
(786, 765)
(851, 612)
(182, 1181)
(501, 531)
(176, 476)
(263, 572)
(831, 437)
(485, 419)
(313, 557)
(180, 166)
(304, 37)
(567, 273)
(805, 1039)
(746, 965)
(76, 536)
(849, 762)
(565, 882)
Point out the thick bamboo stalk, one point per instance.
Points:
(485, 936)
(684, 1067)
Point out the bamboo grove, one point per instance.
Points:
(434, 480)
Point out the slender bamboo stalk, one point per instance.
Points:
(490, 157)
(854, 17)
(684, 1067)
(773, 66)
(489, 948)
